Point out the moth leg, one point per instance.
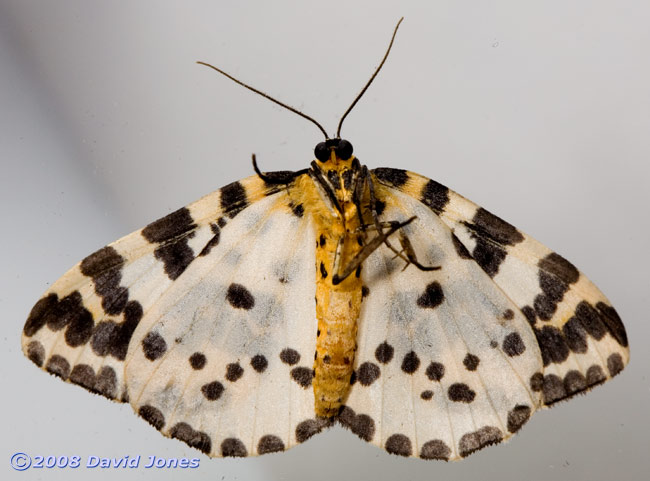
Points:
(337, 255)
(407, 248)
(317, 175)
(283, 177)
(360, 176)
(380, 229)
(375, 216)
(367, 249)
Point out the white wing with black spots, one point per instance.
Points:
(81, 327)
(223, 360)
(581, 337)
(444, 356)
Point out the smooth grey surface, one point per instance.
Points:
(538, 111)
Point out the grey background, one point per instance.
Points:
(539, 111)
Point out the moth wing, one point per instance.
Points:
(444, 357)
(223, 360)
(581, 336)
(81, 327)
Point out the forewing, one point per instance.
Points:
(444, 356)
(223, 360)
(81, 328)
(581, 336)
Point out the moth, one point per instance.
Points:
(286, 302)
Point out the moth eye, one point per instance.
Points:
(344, 150)
(322, 152)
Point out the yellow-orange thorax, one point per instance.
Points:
(339, 238)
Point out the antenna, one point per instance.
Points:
(363, 91)
(296, 111)
(288, 107)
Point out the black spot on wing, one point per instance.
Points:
(589, 319)
(360, 424)
(553, 290)
(384, 352)
(537, 381)
(302, 376)
(489, 256)
(172, 233)
(234, 371)
(559, 267)
(195, 439)
(36, 353)
(552, 344)
(517, 417)
(79, 320)
(615, 364)
(394, 177)
(435, 196)
(306, 429)
(435, 449)
(68, 312)
(574, 382)
(197, 361)
(432, 296)
(399, 444)
(613, 323)
(488, 226)
(479, 439)
(111, 338)
(595, 375)
(513, 345)
(233, 199)
(368, 373)
(530, 315)
(152, 415)
(269, 443)
(59, 366)
(290, 356)
(153, 346)
(239, 297)
(176, 256)
(435, 371)
(410, 363)
(105, 259)
(492, 234)
(471, 362)
(104, 268)
(426, 395)
(212, 390)
(575, 335)
(461, 392)
(104, 383)
(40, 314)
(259, 363)
(172, 226)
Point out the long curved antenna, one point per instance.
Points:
(338, 131)
(288, 107)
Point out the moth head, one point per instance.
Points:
(333, 149)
